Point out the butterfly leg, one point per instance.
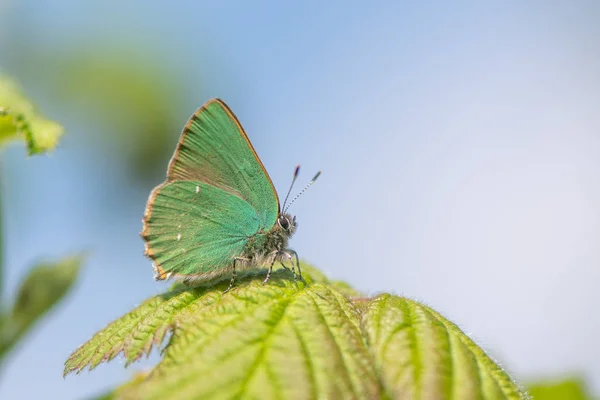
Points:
(270, 270)
(292, 270)
(289, 257)
(283, 265)
(297, 262)
(233, 275)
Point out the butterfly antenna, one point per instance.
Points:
(303, 190)
(296, 172)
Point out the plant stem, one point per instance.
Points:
(1, 240)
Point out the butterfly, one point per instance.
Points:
(217, 212)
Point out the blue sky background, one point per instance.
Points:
(460, 149)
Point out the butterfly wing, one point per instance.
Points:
(194, 230)
(214, 149)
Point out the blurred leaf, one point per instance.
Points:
(43, 287)
(19, 119)
(132, 98)
(294, 340)
(571, 389)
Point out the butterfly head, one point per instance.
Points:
(287, 223)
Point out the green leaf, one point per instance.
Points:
(295, 340)
(19, 119)
(569, 389)
(423, 355)
(42, 288)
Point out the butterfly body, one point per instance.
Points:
(217, 211)
(267, 247)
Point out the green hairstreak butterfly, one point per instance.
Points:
(218, 211)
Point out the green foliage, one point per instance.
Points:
(43, 287)
(294, 340)
(47, 283)
(19, 119)
(571, 389)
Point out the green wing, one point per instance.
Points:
(194, 230)
(214, 149)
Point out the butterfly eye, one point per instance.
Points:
(284, 223)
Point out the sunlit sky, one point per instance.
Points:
(460, 149)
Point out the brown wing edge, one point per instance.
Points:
(186, 130)
(159, 273)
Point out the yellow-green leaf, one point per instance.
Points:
(422, 355)
(568, 389)
(19, 119)
(295, 340)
